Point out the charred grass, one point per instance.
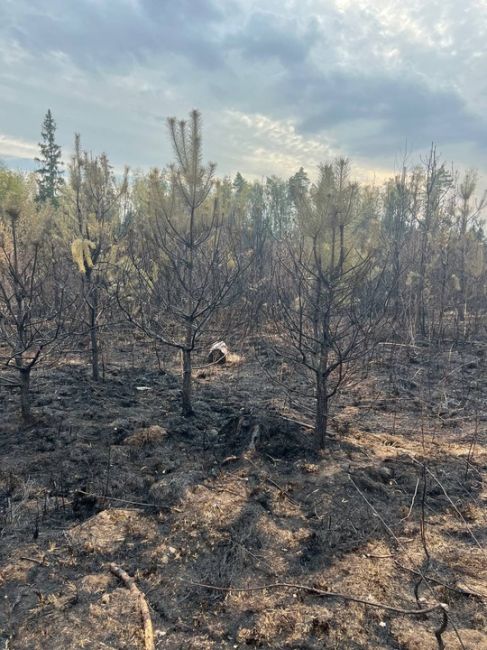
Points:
(201, 512)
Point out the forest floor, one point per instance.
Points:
(201, 510)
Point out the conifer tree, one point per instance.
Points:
(49, 174)
(326, 285)
(96, 208)
(239, 183)
(182, 271)
(298, 185)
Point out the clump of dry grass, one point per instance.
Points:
(146, 436)
(345, 419)
(108, 530)
(174, 487)
(234, 359)
(21, 505)
(289, 623)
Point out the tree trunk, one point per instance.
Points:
(25, 395)
(421, 306)
(187, 383)
(462, 307)
(321, 415)
(342, 249)
(93, 309)
(187, 367)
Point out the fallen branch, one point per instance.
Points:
(229, 459)
(439, 607)
(306, 425)
(412, 502)
(129, 582)
(34, 560)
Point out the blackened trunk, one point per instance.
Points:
(321, 416)
(93, 308)
(25, 395)
(187, 383)
(342, 249)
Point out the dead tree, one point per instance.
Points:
(31, 322)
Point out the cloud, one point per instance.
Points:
(97, 34)
(280, 83)
(16, 148)
(266, 36)
(403, 107)
(262, 147)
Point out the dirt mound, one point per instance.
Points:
(269, 434)
(174, 487)
(146, 436)
(108, 530)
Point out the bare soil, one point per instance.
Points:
(202, 510)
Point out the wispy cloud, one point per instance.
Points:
(281, 83)
(17, 148)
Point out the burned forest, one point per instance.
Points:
(239, 412)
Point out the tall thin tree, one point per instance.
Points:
(49, 174)
(181, 267)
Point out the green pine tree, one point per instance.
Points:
(298, 185)
(239, 183)
(49, 174)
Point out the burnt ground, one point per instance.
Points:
(393, 510)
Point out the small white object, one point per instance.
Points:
(142, 388)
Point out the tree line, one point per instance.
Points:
(324, 269)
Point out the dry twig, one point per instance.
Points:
(129, 582)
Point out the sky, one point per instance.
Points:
(280, 84)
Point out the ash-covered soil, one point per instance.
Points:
(205, 511)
